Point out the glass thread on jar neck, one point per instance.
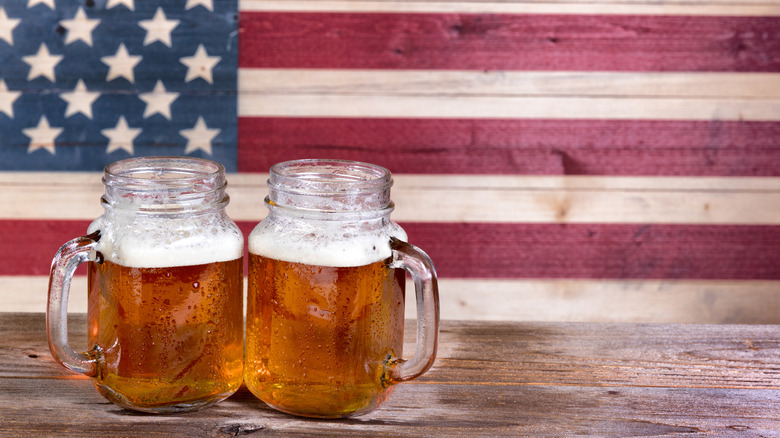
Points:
(330, 189)
(164, 185)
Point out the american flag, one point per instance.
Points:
(602, 159)
(85, 83)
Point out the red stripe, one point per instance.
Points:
(600, 251)
(29, 245)
(514, 250)
(548, 147)
(508, 42)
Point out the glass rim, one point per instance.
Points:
(164, 172)
(328, 176)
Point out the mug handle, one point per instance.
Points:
(419, 265)
(67, 258)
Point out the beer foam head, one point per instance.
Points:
(165, 212)
(140, 243)
(324, 243)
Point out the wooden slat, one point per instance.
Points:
(602, 7)
(522, 147)
(507, 107)
(598, 251)
(459, 198)
(629, 301)
(28, 293)
(519, 146)
(490, 379)
(269, 81)
(508, 95)
(508, 42)
(481, 250)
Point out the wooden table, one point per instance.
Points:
(490, 379)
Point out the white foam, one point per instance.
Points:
(323, 244)
(142, 243)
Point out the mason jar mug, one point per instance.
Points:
(325, 298)
(165, 310)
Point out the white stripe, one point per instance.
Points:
(509, 95)
(603, 7)
(460, 198)
(635, 301)
(651, 301)
(507, 108)
(508, 83)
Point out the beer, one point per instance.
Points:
(165, 311)
(165, 288)
(317, 335)
(167, 335)
(325, 301)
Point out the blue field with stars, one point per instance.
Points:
(86, 83)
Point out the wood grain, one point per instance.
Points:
(600, 7)
(508, 107)
(522, 250)
(518, 146)
(614, 301)
(490, 379)
(508, 83)
(479, 250)
(459, 198)
(615, 251)
(493, 42)
(477, 95)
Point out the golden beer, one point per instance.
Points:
(317, 336)
(325, 302)
(165, 298)
(166, 336)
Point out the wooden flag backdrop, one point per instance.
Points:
(610, 161)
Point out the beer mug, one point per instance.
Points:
(325, 298)
(165, 310)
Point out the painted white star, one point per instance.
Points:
(80, 100)
(200, 65)
(7, 99)
(208, 4)
(128, 3)
(42, 136)
(49, 3)
(159, 101)
(121, 64)
(199, 137)
(7, 26)
(121, 136)
(42, 63)
(159, 28)
(80, 27)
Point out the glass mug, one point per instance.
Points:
(325, 298)
(165, 310)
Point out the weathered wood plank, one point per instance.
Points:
(491, 379)
(522, 353)
(461, 198)
(531, 147)
(626, 301)
(517, 250)
(414, 410)
(616, 251)
(507, 107)
(91, 181)
(601, 7)
(508, 42)
(508, 83)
